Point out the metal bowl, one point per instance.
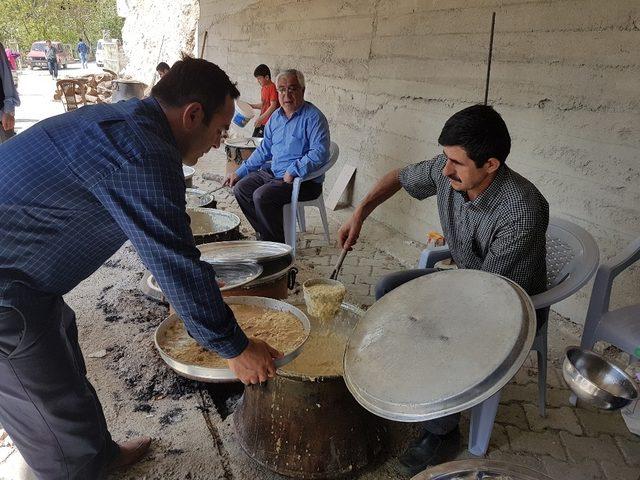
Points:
(597, 381)
(222, 375)
(479, 468)
(199, 198)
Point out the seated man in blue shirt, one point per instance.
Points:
(296, 141)
(98, 176)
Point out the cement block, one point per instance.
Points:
(630, 447)
(586, 470)
(595, 422)
(546, 443)
(512, 414)
(586, 448)
(616, 471)
(562, 418)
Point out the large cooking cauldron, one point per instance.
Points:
(126, 89)
(308, 426)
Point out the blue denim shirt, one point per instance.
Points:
(75, 187)
(298, 145)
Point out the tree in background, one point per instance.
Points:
(27, 21)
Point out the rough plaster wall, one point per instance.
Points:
(388, 74)
(156, 32)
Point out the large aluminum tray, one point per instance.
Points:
(480, 468)
(439, 344)
(211, 221)
(223, 375)
(234, 275)
(244, 250)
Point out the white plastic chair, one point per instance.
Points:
(620, 327)
(572, 258)
(295, 210)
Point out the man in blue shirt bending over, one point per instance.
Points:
(296, 141)
(96, 177)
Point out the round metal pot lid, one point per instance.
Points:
(439, 344)
(243, 250)
(210, 221)
(234, 275)
(474, 469)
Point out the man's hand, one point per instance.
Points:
(255, 364)
(258, 122)
(288, 178)
(8, 121)
(230, 179)
(349, 233)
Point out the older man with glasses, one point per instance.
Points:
(296, 142)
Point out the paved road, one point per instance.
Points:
(36, 88)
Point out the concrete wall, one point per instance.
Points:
(565, 76)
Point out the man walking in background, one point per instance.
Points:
(83, 50)
(51, 54)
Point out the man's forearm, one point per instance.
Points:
(386, 188)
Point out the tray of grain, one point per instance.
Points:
(283, 326)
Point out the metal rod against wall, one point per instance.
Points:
(486, 87)
(204, 43)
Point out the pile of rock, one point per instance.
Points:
(91, 89)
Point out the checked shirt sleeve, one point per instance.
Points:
(420, 179)
(147, 201)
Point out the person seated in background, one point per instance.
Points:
(296, 141)
(268, 97)
(162, 68)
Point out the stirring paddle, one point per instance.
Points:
(334, 274)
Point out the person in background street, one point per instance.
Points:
(83, 50)
(12, 56)
(268, 97)
(162, 68)
(51, 54)
(114, 173)
(297, 142)
(9, 98)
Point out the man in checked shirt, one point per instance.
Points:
(73, 189)
(493, 219)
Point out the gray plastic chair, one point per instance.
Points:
(295, 209)
(572, 258)
(619, 327)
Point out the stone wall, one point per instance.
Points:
(388, 73)
(157, 32)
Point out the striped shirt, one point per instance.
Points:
(502, 231)
(75, 187)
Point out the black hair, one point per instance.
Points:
(195, 80)
(163, 66)
(481, 131)
(262, 71)
(80, 39)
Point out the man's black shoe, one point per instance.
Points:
(429, 449)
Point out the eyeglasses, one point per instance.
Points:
(291, 89)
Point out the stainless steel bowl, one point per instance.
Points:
(199, 198)
(597, 381)
(479, 468)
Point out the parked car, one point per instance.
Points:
(100, 53)
(36, 58)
